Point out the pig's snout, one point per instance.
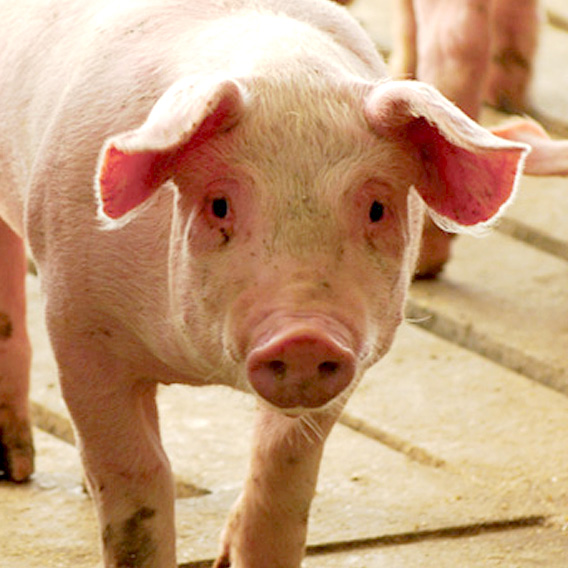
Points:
(301, 369)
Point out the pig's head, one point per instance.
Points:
(297, 217)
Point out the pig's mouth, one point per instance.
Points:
(302, 363)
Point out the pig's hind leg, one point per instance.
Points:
(16, 447)
(514, 31)
(268, 525)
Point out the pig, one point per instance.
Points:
(215, 192)
(471, 50)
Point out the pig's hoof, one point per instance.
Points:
(428, 270)
(222, 562)
(224, 559)
(16, 447)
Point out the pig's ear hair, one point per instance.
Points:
(133, 165)
(466, 174)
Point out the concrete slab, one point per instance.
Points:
(550, 82)
(505, 300)
(537, 216)
(376, 18)
(520, 548)
(480, 420)
(556, 7)
(49, 522)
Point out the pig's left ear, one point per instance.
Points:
(467, 174)
(136, 163)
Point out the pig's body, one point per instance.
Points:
(258, 230)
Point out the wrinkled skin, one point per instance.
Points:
(215, 194)
(472, 51)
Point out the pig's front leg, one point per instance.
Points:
(127, 470)
(16, 448)
(268, 525)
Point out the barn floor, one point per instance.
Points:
(453, 451)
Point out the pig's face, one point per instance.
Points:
(295, 227)
(295, 235)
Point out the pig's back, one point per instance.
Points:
(77, 71)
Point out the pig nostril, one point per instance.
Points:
(328, 368)
(301, 368)
(278, 368)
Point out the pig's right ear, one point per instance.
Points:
(133, 165)
(466, 174)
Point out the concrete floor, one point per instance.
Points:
(451, 453)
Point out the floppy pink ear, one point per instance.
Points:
(467, 173)
(133, 165)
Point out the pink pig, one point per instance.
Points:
(475, 51)
(223, 191)
(471, 50)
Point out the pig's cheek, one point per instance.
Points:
(208, 257)
(213, 213)
(385, 240)
(378, 218)
(207, 278)
(196, 294)
(200, 304)
(385, 272)
(385, 228)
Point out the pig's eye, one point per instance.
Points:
(220, 208)
(376, 212)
